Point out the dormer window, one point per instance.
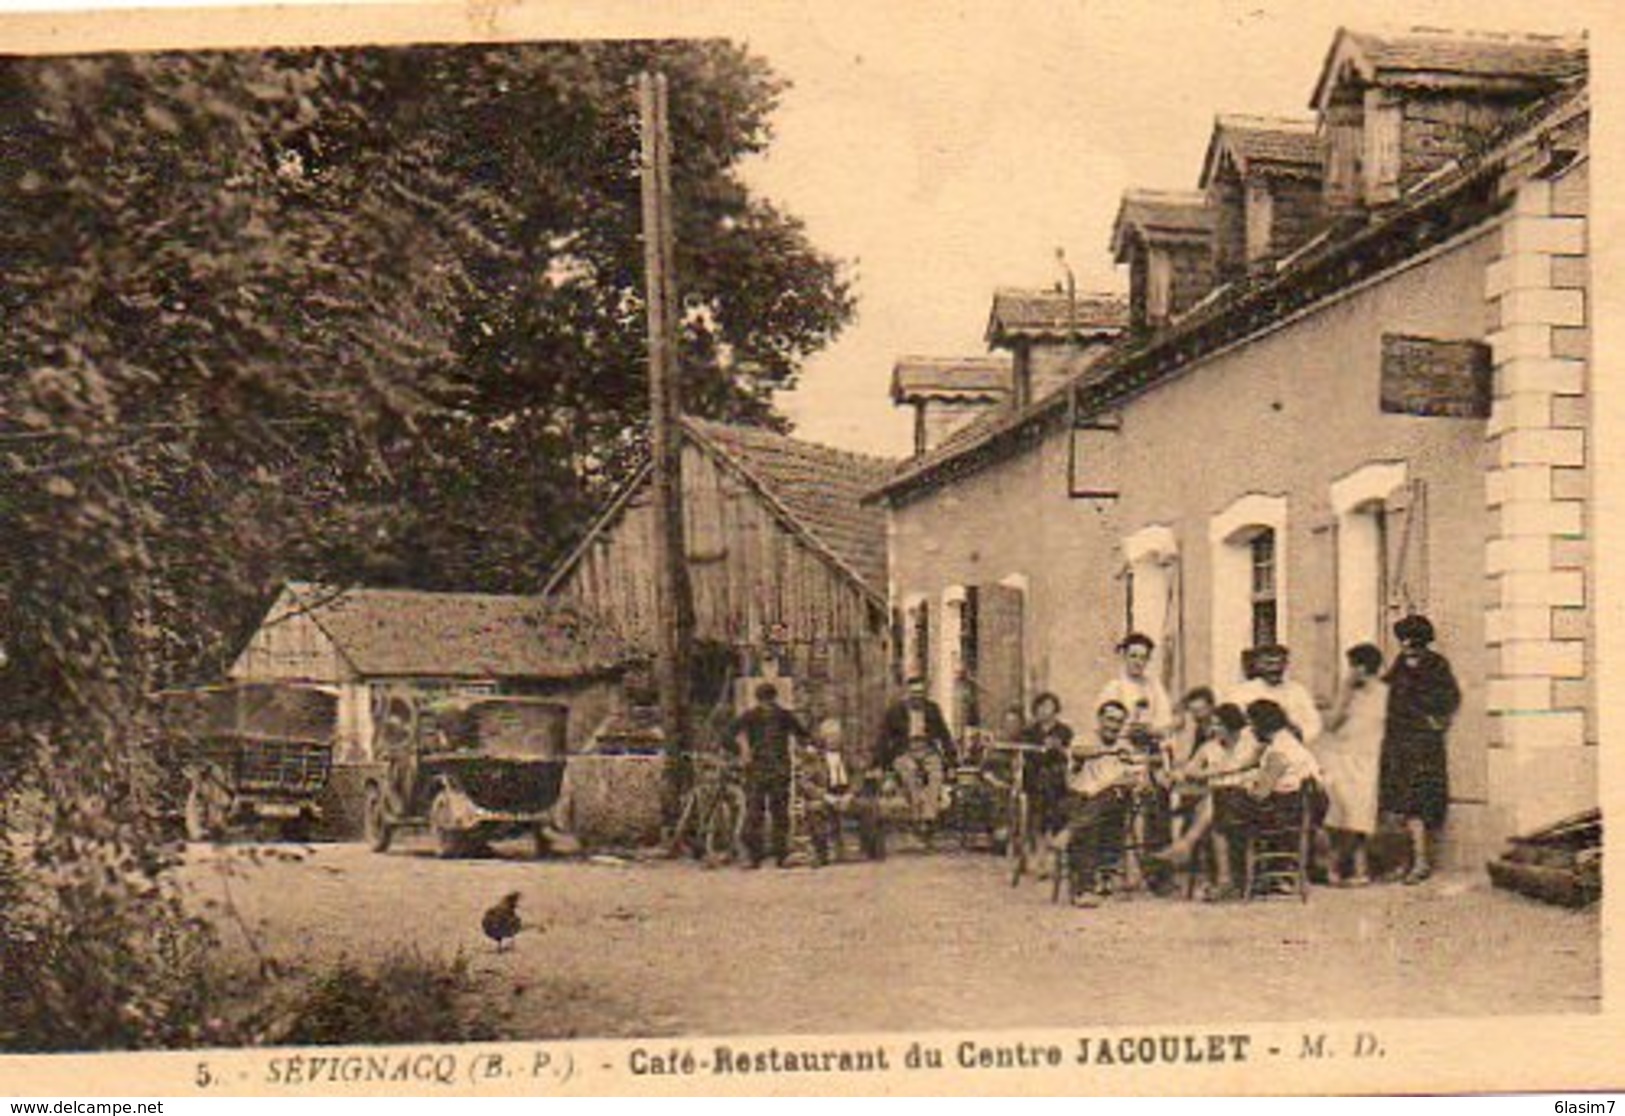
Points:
(1052, 335)
(947, 393)
(1166, 239)
(1395, 108)
(1262, 182)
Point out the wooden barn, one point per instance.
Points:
(367, 644)
(787, 564)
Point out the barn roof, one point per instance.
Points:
(1268, 145)
(815, 491)
(413, 633)
(817, 488)
(1431, 58)
(1018, 312)
(977, 377)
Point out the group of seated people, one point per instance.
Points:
(1167, 784)
(1125, 785)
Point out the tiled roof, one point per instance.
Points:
(819, 489)
(979, 377)
(1050, 313)
(411, 633)
(1428, 56)
(1160, 213)
(1253, 304)
(1271, 145)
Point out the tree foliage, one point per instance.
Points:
(357, 315)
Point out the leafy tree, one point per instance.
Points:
(362, 315)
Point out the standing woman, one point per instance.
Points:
(1422, 698)
(1350, 753)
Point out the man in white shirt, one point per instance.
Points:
(1270, 683)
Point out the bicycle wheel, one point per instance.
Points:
(1020, 836)
(725, 825)
(682, 831)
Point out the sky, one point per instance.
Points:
(944, 150)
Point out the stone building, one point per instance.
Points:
(1389, 411)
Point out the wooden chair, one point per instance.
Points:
(1278, 857)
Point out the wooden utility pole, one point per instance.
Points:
(674, 612)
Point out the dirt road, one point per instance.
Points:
(918, 942)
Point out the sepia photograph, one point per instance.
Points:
(758, 541)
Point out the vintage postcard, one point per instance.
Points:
(809, 548)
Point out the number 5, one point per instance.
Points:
(204, 1077)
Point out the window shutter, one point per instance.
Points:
(899, 645)
(1406, 561)
(1321, 590)
(1382, 127)
(1172, 637)
(1000, 666)
(920, 664)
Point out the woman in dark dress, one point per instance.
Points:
(1422, 698)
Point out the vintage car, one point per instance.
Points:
(250, 753)
(470, 769)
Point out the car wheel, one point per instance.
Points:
(451, 841)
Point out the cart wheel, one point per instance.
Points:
(451, 841)
(374, 822)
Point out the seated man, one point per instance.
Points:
(914, 741)
(829, 796)
(1101, 781)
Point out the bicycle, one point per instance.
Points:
(1021, 842)
(711, 819)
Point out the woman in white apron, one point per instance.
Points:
(1350, 754)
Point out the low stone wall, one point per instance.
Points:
(612, 801)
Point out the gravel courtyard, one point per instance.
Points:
(918, 942)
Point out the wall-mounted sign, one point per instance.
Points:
(1436, 379)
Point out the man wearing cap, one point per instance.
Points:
(764, 735)
(1270, 683)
